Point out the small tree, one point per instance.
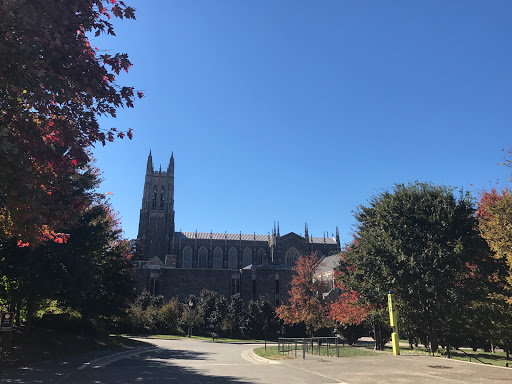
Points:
(261, 319)
(235, 320)
(304, 304)
(350, 313)
(206, 307)
(168, 317)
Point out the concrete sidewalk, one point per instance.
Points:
(386, 368)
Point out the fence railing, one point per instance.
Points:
(328, 346)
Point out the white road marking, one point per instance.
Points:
(104, 361)
(317, 373)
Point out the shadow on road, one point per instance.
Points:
(153, 367)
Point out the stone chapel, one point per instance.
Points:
(183, 263)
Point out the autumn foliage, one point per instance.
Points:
(304, 304)
(495, 223)
(348, 309)
(53, 86)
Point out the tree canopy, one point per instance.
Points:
(303, 304)
(421, 242)
(53, 87)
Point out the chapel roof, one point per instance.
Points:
(244, 237)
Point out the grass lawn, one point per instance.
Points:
(220, 339)
(272, 353)
(497, 358)
(48, 345)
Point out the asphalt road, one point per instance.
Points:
(200, 362)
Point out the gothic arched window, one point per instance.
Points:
(233, 258)
(187, 257)
(247, 257)
(261, 257)
(162, 197)
(291, 256)
(218, 257)
(203, 257)
(153, 203)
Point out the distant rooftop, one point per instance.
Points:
(244, 237)
(328, 263)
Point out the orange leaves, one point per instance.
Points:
(348, 310)
(21, 244)
(53, 108)
(304, 304)
(49, 235)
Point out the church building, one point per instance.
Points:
(183, 263)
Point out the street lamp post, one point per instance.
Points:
(190, 306)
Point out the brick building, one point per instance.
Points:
(180, 263)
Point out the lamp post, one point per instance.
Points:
(190, 306)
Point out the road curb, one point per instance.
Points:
(262, 359)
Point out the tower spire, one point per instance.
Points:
(149, 167)
(306, 235)
(170, 167)
(338, 245)
(278, 234)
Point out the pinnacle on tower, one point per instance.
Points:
(306, 234)
(149, 167)
(338, 238)
(278, 235)
(170, 167)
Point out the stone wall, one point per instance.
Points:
(182, 282)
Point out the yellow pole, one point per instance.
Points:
(394, 324)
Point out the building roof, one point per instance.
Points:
(328, 264)
(220, 236)
(267, 266)
(244, 237)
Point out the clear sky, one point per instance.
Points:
(299, 111)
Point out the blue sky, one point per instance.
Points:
(299, 111)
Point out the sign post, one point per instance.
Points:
(394, 323)
(6, 321)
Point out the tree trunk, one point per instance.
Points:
(30, 315)
(17, 313)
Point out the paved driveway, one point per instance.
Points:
(193, 361)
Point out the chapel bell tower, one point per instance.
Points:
(156, 223)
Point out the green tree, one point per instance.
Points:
(419, 241)
(207, 307)
(235, 320)
(261, 319)
(168, 317)
(90, 273)
(98, 269)
(219, 314)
